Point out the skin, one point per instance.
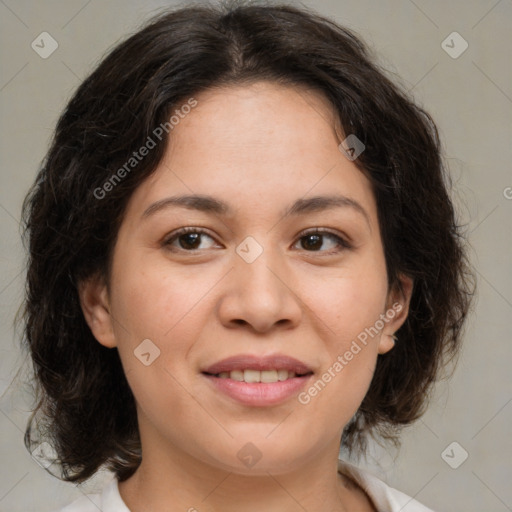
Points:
(258, 148)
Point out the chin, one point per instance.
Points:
(260, 455)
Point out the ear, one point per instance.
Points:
(95, 306)
(397, 309)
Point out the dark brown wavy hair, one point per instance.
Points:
(84, 407)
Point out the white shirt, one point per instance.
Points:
(384, 498)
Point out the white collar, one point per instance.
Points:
(384, 498)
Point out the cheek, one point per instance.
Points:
(155, 301)
(348, 302)
(348, 308)
(163, 307)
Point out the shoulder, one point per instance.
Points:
(108, 500)
(385, 498)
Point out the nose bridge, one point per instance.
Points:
(258, 293)
(253, 268)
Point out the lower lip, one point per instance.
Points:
(259, 394)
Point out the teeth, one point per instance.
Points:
(282, 374)
(251, 376)
(236, 375)
(269, 376)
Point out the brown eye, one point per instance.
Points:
(312, 242)
(187, 239)
(315, 240)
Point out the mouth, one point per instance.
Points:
(266, 376)
(258, 381)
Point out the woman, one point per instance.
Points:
(242, 251)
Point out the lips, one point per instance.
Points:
(258, 381)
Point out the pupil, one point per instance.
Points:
(317, 243)
(191, 240)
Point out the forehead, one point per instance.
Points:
(278, 121)
(257, 146)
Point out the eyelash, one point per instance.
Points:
(342, 243)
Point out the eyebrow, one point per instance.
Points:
(209, 204)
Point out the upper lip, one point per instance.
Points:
(253, 362)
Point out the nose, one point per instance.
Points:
(262, 295)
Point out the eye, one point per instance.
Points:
(314, 241)
(191, 239)
(187, 239)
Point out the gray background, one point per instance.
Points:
(470, 97)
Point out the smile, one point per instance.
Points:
(251, 376)
(258, 381)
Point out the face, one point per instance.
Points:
(280, 276)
